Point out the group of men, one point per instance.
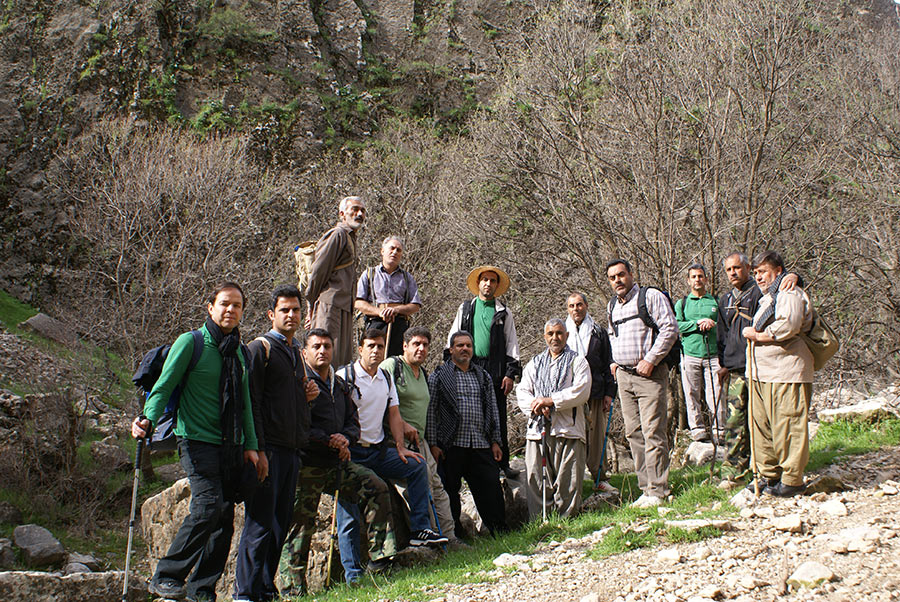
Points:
(289, 416)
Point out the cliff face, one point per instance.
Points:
(302, 75)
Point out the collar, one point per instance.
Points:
(384, 271)
(629, 295)
(361, 372)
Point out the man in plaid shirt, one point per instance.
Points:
(642, 375)
(463, 429)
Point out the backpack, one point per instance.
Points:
(305, 256)
(821, 340)
(163, 436)
(673, 357)
(399, 380)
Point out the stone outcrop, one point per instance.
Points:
(32, 586)
(50, 328)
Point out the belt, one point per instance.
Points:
(628, 369)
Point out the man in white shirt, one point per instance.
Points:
(376, 400)
(553, 394)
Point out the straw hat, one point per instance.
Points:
(474, 275)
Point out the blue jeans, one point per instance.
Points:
(204, 538)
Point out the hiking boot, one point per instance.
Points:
(765, 486)
(167, 588)
(782, 490)
(427, 537)
(605, 487)
(646, 501)
(382, 565)
(510, 473)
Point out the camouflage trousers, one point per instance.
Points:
(737, 429)
(358, 485)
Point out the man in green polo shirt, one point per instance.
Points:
(216, 436)
(411, 384)
(696, 315)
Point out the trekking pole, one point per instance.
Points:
(751, 357)
(715, 416)
(387, 336)
(134, 493)
(543, 468)
(603, 447)
(337, 492)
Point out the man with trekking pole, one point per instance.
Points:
(387, 295)
(589, 339)
(326, 466)
(555, 388)
(216, 436)
(780, 371)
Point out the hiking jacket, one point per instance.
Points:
(731, 344)
(690, 310)
(442, 421)
(199, 407)
(331, 412)
(503, 359)
(599, 357)
(276, 386)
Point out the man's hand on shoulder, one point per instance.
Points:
(789, 282)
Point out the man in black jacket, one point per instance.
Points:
(281, 394)
(462, 428)
(496, 346)
(334, 427)
(587, 338)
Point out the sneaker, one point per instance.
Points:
(427, 537)
(782, 490)
(647, 501)
(605, 487)
(167, 588)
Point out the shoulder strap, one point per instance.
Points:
(398, 371)
(407, 298)
(197, 352)
(643, 312)
(267, 345)
(370, 273)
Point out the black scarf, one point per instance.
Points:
(768, 313)
(231, 391)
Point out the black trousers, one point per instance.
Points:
(478, 468)
(204, 538)
(267, 518)
(500, 398)
(399, 326)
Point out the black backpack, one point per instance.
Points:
(399, 380)
(673, 357)
(163, 436)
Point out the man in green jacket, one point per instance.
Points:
(696, 315)
(216, 436)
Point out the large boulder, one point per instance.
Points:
(870, 410)
(50, 328)
(32, 586)
(39, 547)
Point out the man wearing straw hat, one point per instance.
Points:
(496, 345)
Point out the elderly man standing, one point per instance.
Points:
(496, 345)
(388, 295)
(463, 431)
(587, 338)
(642, 331)
(555, 387)
(333, 273)
(780, 371)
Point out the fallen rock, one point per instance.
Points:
(7, 554)
(50, 328)
(85, 559)
(791, 523)
(669, 556)
(743, 499)
(39, 547)
(9, 514)
(870, 410)
(75, 567)
(810, 574)
(32, 586)
(695, 524)
(713, 592)
(507, 559)
(825, 484)
(698, 453)
(834, 508)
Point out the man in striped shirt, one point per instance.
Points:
(641, 374)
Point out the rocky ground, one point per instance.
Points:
(853, 535)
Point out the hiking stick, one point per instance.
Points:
(337, 492)
(751, 357)
(134, 494)
(543, 468)
(603, 448)
(387, 336)
(715, 416)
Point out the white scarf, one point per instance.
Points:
(580, 336)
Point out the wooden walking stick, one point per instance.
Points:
(134, 496)
(751, 372)
(337, 492)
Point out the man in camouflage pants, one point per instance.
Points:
(334, 427)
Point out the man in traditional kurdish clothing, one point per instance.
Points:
(330, 292)
(553, 394)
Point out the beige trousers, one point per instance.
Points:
(339, 324)
(565, 475)
(644, 411)
(699, 380)
(780, 412)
